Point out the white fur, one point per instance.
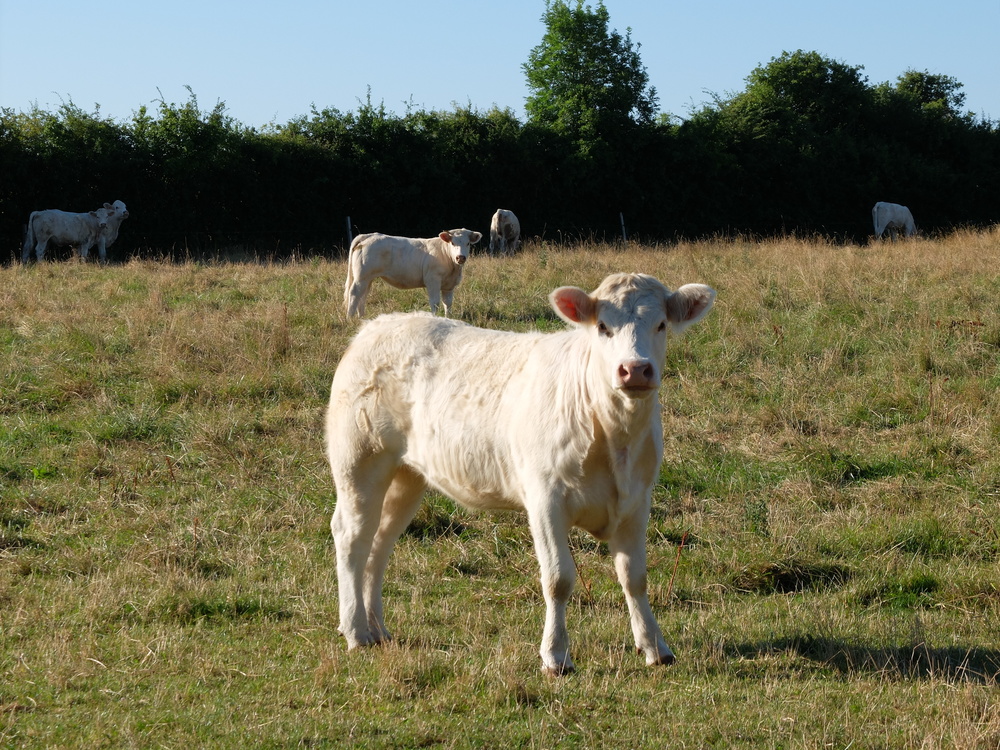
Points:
(82, 231)
(505, 232)
(407, 263)
(565, 426)
(892, 217)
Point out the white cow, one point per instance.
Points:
(116, 213)
(79, 230)
(505, 232)
(407, 263)
(892, 217)
(565, 426)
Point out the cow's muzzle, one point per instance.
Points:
(460, 259)
(637, 378)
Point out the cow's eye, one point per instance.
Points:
(662, 327)
(603, 329)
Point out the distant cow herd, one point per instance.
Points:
(99, 228)
(563, 426)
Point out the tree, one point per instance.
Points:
(934, 93)
(586, 81)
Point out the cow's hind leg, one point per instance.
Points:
(361, 491)
(357, 295)
(401, 503)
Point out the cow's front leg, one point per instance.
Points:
(628, 549)
(550, 533)
(446, 299)
(433, 293)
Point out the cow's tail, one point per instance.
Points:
(351, 254)
(29, 238)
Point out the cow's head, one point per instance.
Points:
(101, 215)
(627, 318)
(461, 240)
(117, 208)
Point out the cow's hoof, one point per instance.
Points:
(358, 640)
(558, 670)
(663, 659)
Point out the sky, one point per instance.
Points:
(270, 62)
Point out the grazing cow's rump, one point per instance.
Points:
(407, 263)
(82, 231)
(505, 232)
(892, 217)
(565, 426)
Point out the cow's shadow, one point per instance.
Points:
(955, 664)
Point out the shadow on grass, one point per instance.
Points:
(915, 662)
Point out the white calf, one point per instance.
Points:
(565, 426)
(406, 263)
(505, 232)
(892, 217)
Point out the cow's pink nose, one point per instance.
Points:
(637, 375)
(460, 259)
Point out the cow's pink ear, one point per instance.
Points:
(93, 213)
(445, 236)
(108, 206)
(475, 237)
(573, 305)
(688, 305)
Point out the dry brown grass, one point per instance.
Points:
(166, 573)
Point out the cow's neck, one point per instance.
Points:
(622, 419)
(629, 431)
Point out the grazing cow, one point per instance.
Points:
(892, 217)
(505, 232)
(565, 426)
(81, 231)
(407, 263)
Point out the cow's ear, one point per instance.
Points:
(93, 213)
(108, 206)
(574, 305)
(446, 237)
(475, 237)
(688, 305)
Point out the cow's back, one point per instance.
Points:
(399, 261)
(442, 394)
(64, 227)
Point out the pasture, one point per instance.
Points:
(823, 548)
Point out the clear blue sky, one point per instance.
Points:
(271, 61)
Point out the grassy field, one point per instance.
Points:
(824, 544)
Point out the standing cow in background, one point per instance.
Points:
(505, 232)
(81, 231)
(406, 263)
(565, 426)
(894, 218)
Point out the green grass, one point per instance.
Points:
(823, 547)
